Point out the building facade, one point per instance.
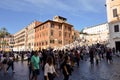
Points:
(24, 39)
(96, 34)
(53, 33)
(50, 34)
(11, 42)
(113, 15)
(20, 40)
(31, 35)
(4, 44)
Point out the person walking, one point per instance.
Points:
(77, 58)
(0, 61)
(4, 62)
(10, 62)
(29, 57)
(91, 53)
(66, 68)
(49, 70)
(109, 56)
(35, 63)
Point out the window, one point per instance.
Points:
(51, 41)
(59, 33)
(43, 27)
(39, 44)
(69, 28)
(52, 32)
(65, 34)
(29, 44)
(114, 12)
(42, 43)
(60, 26)
(46, 43)
(116, 28)
(60, 41)
(52, 25)
(72, 37)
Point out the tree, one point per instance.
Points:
(3, 34)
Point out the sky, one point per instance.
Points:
(17, 14)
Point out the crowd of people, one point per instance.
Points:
(7, 61)
(51, 61)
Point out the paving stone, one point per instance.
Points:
(103, 71)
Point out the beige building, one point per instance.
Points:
(24, 39)
(113, 10)
(113, 15)
(20, 40)
(4, 44)
(11, 42)
(96, 34)
(31, 35)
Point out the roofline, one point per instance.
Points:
(114, 21)
(95, 25)
(52, 21)
(25, 27)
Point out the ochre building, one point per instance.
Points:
(53, 34)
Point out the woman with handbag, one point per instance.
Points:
(49, 70)
(10, 62)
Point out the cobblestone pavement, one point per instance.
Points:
(86, 71)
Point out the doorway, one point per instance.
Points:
(117, 45)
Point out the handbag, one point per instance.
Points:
(51, 76)
(4, 61)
